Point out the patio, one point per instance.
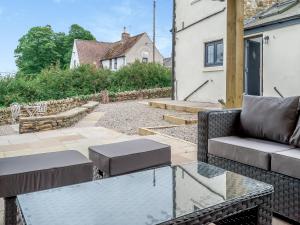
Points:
(88, 132)
(80, 137)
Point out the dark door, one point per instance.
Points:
(253, 67)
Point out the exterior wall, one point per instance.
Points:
(281, 67)
(74, 59)
(190, 71)
(142, 46)
(120, 63)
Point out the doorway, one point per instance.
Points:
(253, 66)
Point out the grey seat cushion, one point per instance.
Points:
(250, 151)
(19, 175)
(269, 118)
(295, 139)
(124, 157)
(287, 163)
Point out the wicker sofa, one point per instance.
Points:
(220, 129)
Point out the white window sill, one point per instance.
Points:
(213, 69)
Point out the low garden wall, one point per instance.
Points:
(53, 107)
(59, 106)
(52, 122)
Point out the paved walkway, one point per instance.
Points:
(9, 130)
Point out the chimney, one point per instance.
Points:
(125, 35)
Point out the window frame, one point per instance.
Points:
(110, 64)
(145, 60)
(116, 64)
(215, 49)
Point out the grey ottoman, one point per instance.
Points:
(20, 175)
(125, 157)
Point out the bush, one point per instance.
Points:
(56, 83)
(139, 76)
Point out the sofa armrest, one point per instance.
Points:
(213, 124)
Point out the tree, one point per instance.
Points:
(62, 48)
(75, 32)
(41, 48)
(36, 50)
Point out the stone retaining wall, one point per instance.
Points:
(143, 94)
(58, 106)
(53, 107)
(52, 122)
(5, 116)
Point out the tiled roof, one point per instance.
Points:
(90, 52)
(93, 52)
(121, 47)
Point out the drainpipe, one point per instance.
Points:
(173, 78)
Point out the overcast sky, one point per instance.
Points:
(104, 18)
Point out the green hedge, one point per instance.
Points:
(55, 83)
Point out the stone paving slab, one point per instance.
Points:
(9, 130)
(90, 120)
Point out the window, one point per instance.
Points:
(116, 64)
(145, 60)
(214, 53)
(110, 64)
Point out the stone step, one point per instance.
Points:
(184, 119)
(145, 131)
(182, 106)
(91, 105)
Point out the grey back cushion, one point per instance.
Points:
(269, 118)
(295, 139)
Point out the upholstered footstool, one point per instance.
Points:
(24, 174)
(130, 156)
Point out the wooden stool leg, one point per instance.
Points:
(10, 211)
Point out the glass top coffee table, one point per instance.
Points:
(195, 193)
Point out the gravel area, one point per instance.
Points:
(187, 133)
(127, 117)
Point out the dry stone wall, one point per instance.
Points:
(59, 106)
(252, 7)
(52, 122)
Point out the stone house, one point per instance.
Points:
(114, 55)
